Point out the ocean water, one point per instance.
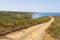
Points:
(37, 15)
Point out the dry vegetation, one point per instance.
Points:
(54, 29)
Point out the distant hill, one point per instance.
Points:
(16, 14)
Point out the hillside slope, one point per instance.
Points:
(36, 32)
(54, 29)
(15, 21)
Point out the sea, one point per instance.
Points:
(37, 15)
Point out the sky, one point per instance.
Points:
(30, 5)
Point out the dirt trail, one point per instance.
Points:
(48, 37)
(33, 33)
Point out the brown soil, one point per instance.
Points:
(48, 37)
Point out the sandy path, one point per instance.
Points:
(33, 33)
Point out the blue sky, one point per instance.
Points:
(30, 5)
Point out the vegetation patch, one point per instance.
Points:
(54, 29)
(16, 21)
